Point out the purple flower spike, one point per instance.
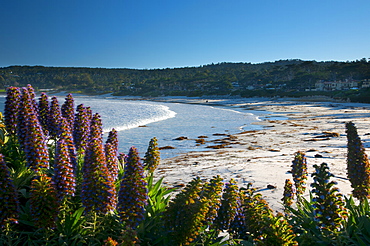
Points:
(81, 130)
(31, 92)
(358, 164)
(112, 160)
(44, 111)
(98, 191)
(299, 172)
(66, 134)
(11, 109)
(133, 195)
(113, 139)
(68, 110)
(9, 204)
(30, 134)
(111, 153)
(96, 128)
(63, 178)
(55, 118)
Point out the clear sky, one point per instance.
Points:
(180, 33)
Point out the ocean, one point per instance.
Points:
(138, 121)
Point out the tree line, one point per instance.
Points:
(245, 79)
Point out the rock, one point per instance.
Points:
(312, 150)
(219, 146)
(331, 134)
(318, 156)
(166, 147)
(269, 186)
(200, 141)
(181, 138)
(179, 186)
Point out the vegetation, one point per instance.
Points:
(279, 78)
(55, 190)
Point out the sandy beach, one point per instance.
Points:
(264, 157)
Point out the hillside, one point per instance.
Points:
(283, 77)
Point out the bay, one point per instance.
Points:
(138, 121)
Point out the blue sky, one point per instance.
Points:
(179, 33)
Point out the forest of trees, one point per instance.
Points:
(285, 77)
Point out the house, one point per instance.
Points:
(235, 85)
(336, 85)
(366, 83)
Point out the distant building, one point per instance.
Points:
(336, 85)
(366, 83)
(235, 85)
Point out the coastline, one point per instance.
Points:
(263, 157)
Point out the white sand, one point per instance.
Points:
(264, 157)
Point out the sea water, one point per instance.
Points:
(137, 122)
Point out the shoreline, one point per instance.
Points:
(263, 157)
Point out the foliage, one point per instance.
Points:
(358, 225)
(259, 224)
(43, 202)
(9, 202)
(230, 203)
